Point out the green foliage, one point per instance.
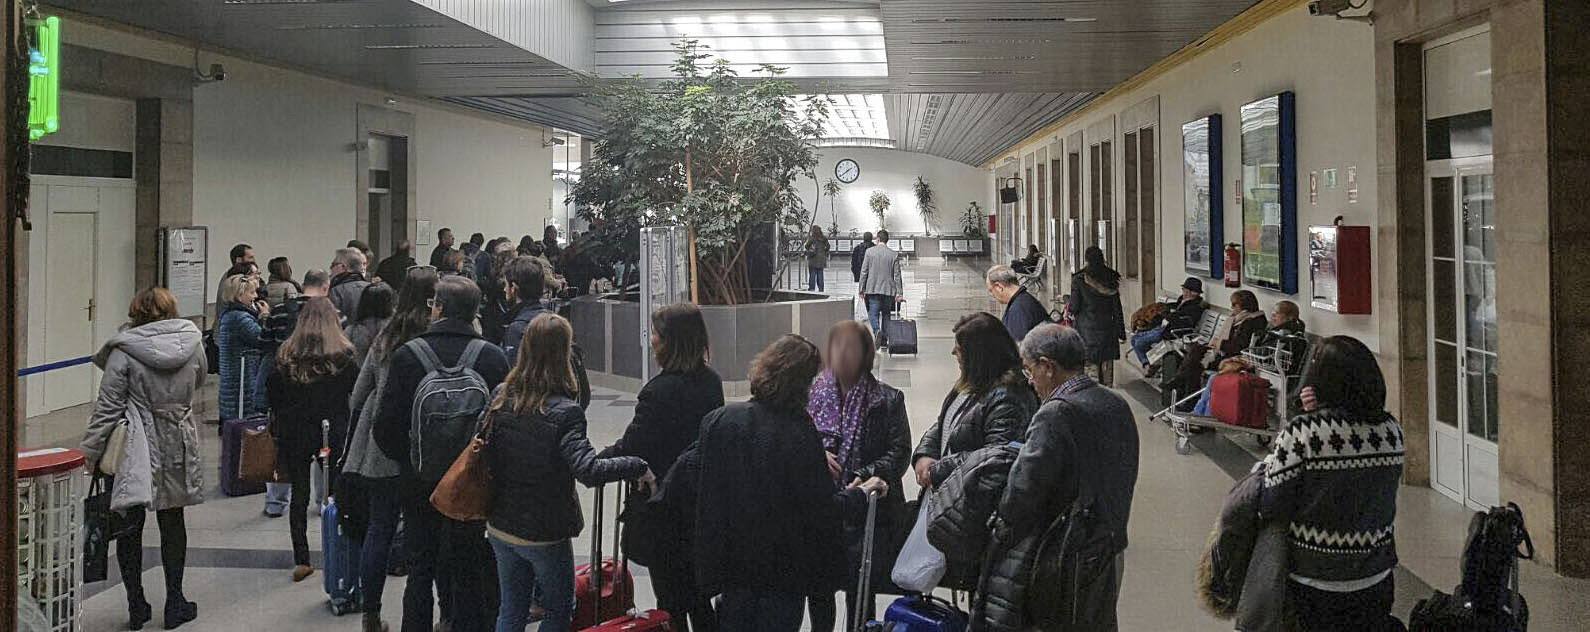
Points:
(927, 202)
(705, 149)
(972, 220)
(880, 203)
(832, 189)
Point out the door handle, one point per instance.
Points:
(90, 309)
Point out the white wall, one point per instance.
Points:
(1329, 64)
(275, 165)
(895, 172)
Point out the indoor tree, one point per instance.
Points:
(972, 220)
(706, 150)
(879, 201)
(832, 188)
(926, 203)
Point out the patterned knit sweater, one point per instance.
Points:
(1332, 476)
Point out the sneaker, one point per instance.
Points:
(269, 514)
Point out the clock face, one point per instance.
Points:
(847, 171)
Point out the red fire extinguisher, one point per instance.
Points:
(1233, 265)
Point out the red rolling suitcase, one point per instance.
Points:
(605, 600)
(1240, 399)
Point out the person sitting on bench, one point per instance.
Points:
(1184, 315)
(1233, 337)
(1027, 264)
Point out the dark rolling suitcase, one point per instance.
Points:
(900, 334)
(911, 613)
(341, 548)
(232, 430)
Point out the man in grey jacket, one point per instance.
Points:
(347, 281)
(881, 287)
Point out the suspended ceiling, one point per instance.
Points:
(958, 79)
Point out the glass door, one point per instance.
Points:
(1462, 326)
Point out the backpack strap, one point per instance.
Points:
(471, 353)
(427, 356)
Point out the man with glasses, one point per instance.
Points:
(1081, 447)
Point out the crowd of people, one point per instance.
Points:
(754, 509)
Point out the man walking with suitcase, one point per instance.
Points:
(880, 285)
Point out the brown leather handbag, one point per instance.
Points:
(465, 491)
(257, 461)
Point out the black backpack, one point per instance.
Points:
(1487, 599)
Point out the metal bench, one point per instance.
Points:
(1275, 362)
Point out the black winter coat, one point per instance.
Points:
(1096, 306)
(668, 413)
(768, 515)
(393, 418)
(534, 460)
(1184, 315)
(1086, 438)
(1024, 313)
(299, 409)
(999, 416)
(857, 255)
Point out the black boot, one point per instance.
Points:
(138, 612)
(180, 611)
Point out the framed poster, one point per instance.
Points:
(1269, 193)
(1203, 225)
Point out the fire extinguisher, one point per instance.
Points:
(1233, 265)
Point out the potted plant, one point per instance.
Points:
(972, 220)
(832, 188)
(879, 201)
(706, 150)
(926, 203)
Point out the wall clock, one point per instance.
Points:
(847, 171)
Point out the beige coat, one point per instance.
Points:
(152, 374)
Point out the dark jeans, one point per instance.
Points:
(761, 611)
(298, 507)
(1367, 610)
(879, 306)
(173, 553)
(450, 556)
(677, 594)
(814, 279)
(386, 508)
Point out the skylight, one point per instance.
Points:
(857, 116)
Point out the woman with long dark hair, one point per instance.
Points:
(817, 249)
(310, 384)
(991, 403)
(536, 448)
(1095, 305)
(366, 466)
(667, 421)
(1332, 478)
(770, 513)
(375, 309)
(866, 433)
(153, 369)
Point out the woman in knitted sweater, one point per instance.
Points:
(1332, 477)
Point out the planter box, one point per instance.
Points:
(607, 328)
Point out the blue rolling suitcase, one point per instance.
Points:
(911, 613)
(341, 549)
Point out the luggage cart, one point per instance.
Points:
(1273, 362)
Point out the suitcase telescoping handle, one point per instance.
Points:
(596, 550)
(864, 587)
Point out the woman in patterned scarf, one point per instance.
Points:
(866, 433)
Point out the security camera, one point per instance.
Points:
(1338, 8)
(1328, 7)
(217, 72)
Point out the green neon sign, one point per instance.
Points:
(44, 78)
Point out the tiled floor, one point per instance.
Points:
(238, 560)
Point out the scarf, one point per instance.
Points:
(839, 418)
(1231, 323)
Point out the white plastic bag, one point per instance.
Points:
(920, 567)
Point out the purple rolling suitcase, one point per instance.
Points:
(232, 484)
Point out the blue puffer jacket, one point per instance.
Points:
(237, 333)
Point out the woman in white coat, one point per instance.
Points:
(153, 370)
